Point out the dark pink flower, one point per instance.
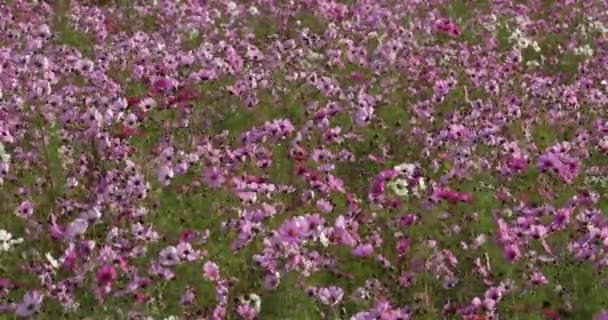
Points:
(106, 275)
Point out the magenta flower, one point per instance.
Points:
(106, 275)
(537, 278)
(602, 315)
(511, 253)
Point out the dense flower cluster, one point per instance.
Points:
(307, 159)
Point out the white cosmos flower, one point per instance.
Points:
(399, 187)
(232, 8)
(523, 42)
(4, 156)
(420, 187)
(7, 241)
(54, 263)
(405, 168)
(421, 184)
(256, 301)
(323, 239)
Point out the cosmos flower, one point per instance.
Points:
(106, 275)
(399, 187)
(7, 241)
(30, 304)
(213, 177)
(169, 256)
(292, 231)
(211, 271)
(330, 296)
(364, 250)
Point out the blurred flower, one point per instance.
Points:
(7, 241)
(30, 304)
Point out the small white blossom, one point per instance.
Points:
(7, 241)
(585, 50)
(399, 187)
(54, 263)
(405, 168)
(4, 155)
(532, 64)
(323, 239)
(232, 8)
(256, 301)
(420, 187)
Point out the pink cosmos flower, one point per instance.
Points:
(447, 27)
(324, 206)
(537, 278)
(602, 315)
(106, 275)
(25, 210)
(186, 252)
(291, 232)
(364, 250)
(511, 253)
(246, 311)
(402, 247)
(211, 271)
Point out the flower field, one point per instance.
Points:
(303, 159)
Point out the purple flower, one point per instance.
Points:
(213, 177)
(364, 250)
(169, 256)
(165, 174)
(271, 281)
(186, 252)
(25, 210)
(602, 315)
(76, 228)
(330, 296)
(30, 304)
(324, 206)
(291, 232)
